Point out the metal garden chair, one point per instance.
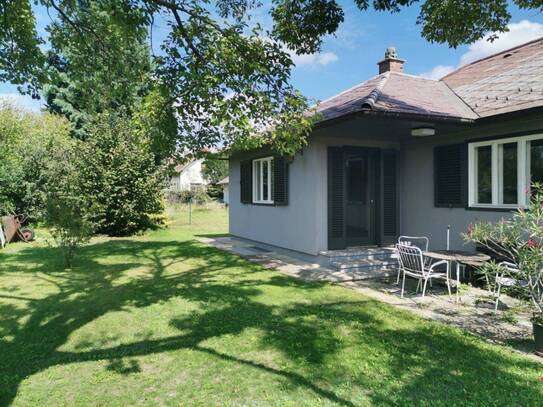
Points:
(412, 264)
(503, 280)
(421, 242)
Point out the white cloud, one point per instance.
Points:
(350, 33)
(519, 33)
(438, 72)
(320, 58)
(326, 58)
(20, 101)
(309, 60)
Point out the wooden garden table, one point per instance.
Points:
(474, 259)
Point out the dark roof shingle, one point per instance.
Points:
(508, 81)
(397, 93)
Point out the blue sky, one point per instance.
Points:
(363, 38)
(351, 55)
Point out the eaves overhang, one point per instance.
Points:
(430, 117)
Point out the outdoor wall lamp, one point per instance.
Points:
(423, 132)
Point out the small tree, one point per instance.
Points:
(68, 211)
(68, 223)
(195, 195)
(518, 240)
(215, 169)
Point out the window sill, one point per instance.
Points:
(265, 203)
(497, 208)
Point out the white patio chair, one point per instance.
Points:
(421, 242)
(503, 279)
(412, 264)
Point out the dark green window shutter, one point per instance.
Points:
(390, 195)
(336, 198)
(280, 181)
(246, 181)
(450, 172)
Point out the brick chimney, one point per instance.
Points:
(391, 63)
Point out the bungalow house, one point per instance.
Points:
(187, 176)
(401, 154)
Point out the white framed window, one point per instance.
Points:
(263, 180)
(501, 171)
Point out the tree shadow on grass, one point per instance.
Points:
(305, 332)
(92, 289)
(213, 235)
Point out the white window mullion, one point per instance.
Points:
(495, 172)
(255, 163)
(523, 161)
(498, 167)
(264, 164)
(269, 180)
(499, 178)
(472, 175)
(258, 180)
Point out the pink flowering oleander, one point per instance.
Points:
(532, 244)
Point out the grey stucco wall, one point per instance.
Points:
(302, 225)
(295, 226)
(418, 214)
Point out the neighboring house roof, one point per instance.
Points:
(182, 167)
(508, 81)
(224, 181)
(395, 92)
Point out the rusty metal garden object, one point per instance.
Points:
(13, 229)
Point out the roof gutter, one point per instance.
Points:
(511, 115)
(396, 115)
(418, 116)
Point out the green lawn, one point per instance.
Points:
(161, 319)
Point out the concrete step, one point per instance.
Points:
(364, 264)
(361, 257)
(378, 253)
(357, 250)
(365, 274)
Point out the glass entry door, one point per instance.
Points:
(360, 199)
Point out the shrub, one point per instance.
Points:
(115, 167)
(120, 176)
(215, 192)
(27, 141)
(518, 240)
(196, 195)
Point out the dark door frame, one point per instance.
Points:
(372, 155)
(386, 202)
